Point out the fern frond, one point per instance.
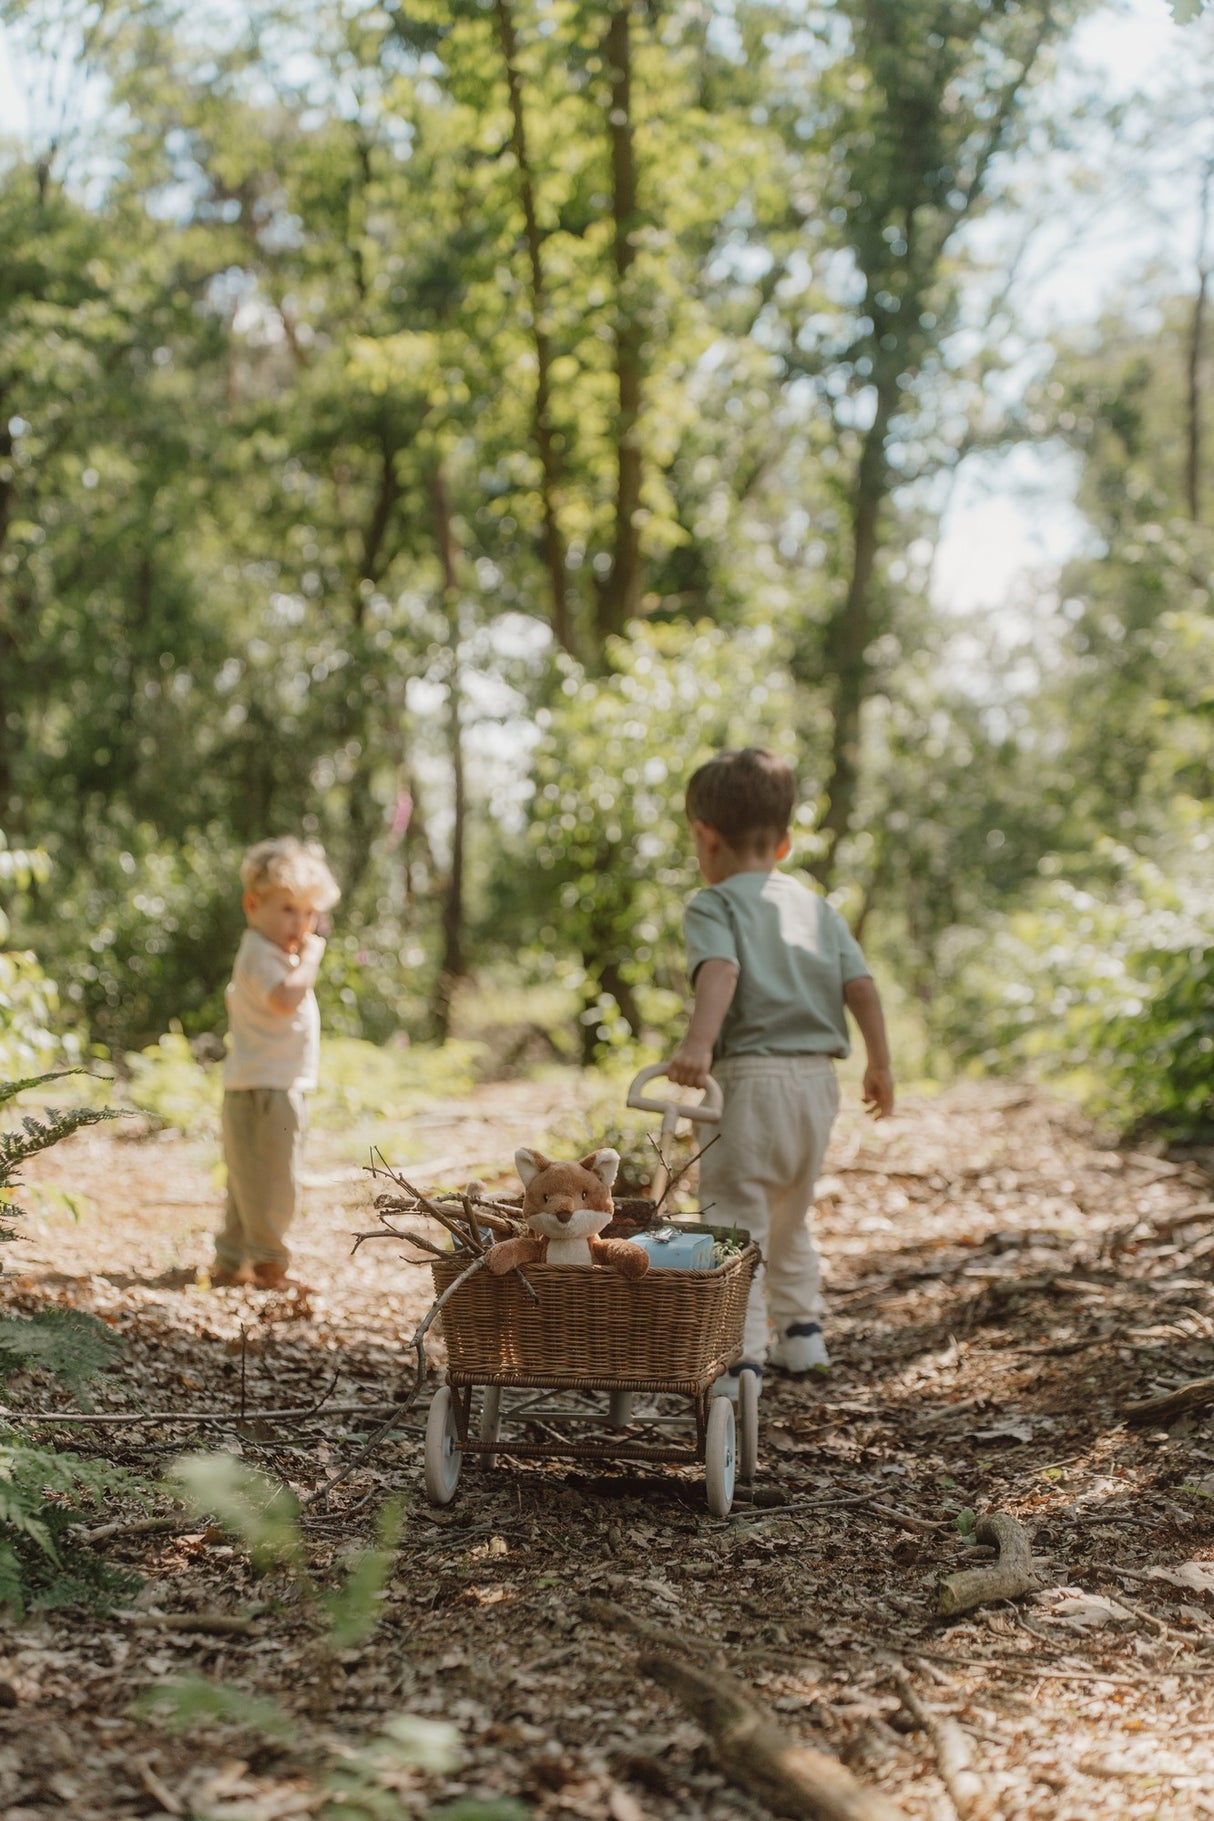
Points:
(39, 1134)
(11, 1594)
(72, 1344)
(9, 1090)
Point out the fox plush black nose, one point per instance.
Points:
(564, 1215)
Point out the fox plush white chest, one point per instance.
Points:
(566, 1206)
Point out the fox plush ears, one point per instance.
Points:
(602, 1163)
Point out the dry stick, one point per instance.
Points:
(101, 1533)
(213, 1624)
(674, 1181)
(157, 1789)
(302, 1414)
(399, 1410)
(452, 1224)
(614, 1617)
(954, 1753)
(754, 1754)
(1012, 1575)
(409, 1239)
(1198, 1394)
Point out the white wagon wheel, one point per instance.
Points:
(719, 1456)
(443, 1457)
(748, 1424)
(491, 1419)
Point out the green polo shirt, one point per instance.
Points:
(794, 955)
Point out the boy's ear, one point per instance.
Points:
(784, 848)
(249, 902)
(710, 836)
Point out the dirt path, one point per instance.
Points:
(1000, 1287)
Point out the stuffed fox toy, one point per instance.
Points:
(567, 1205)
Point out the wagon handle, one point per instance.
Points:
(708, 1109)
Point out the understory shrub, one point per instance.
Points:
(1108, 993)
(45, 1491)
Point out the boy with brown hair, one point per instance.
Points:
(272, 1058)
(775, 970)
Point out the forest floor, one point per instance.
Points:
(1002, 1287)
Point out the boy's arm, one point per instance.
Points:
(289, 994)
(716, 983)
(863, 1001)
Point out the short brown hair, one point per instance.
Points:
(745, 795)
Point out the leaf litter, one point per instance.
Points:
(1003, 1286)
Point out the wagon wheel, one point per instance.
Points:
(491, 1420)
(719, 1457)
(443, 1457)
(748, 1424)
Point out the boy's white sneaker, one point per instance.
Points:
(799, 1350)
(727, 1384)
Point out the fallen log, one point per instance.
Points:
(1198, 1394)
(788, 1778)
(1005, 1579)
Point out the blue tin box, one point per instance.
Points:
(673, 1249)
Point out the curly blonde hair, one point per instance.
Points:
(285, 864)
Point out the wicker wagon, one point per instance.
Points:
(591, 1331)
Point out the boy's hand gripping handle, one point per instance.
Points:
(709, 1108)
(706, 1110)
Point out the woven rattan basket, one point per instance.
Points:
(589, 1327)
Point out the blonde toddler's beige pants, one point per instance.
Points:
(263, 1134)
(760, 1175)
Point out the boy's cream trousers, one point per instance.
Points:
(760, 1175)
(263, 1134)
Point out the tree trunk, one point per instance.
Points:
(850, 634)
(555, 553)
(619, 597)
(1196, 357)
(451, 966)
(9, 735)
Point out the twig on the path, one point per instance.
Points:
(954, 1754)
(1110, 1569)
(228, 1418)
(1197, 1394)
(618, 1618)
(244, 1350)
(750, 1749)
(209, 1624)
(1032, 1669)
(796, 1506)
(1005, 1579)
(158, 1789)
(905, 1520)
(101, 1533)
